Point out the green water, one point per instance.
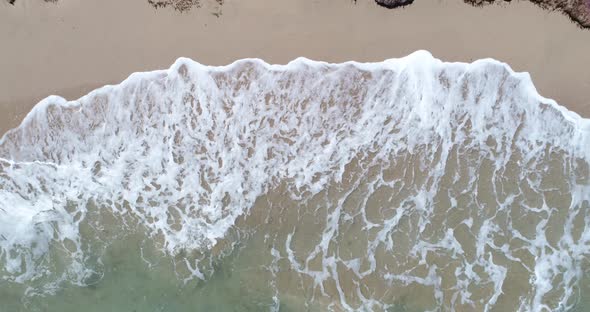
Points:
(129, 284)
(135, 276)
(583, 304)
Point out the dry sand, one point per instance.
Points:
(75, 46)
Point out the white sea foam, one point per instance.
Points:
(186, 151)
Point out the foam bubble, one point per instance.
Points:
(185, 152)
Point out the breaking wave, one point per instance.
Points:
(369, 181)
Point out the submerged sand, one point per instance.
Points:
(72, 47)
(348, 191)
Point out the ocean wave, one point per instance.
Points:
(184, 153)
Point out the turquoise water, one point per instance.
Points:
(240, 283)
(129, 284)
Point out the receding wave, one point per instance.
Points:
(448, 186)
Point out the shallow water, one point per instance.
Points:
(406, 185)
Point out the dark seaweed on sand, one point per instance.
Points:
(577, 10)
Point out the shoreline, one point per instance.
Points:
(576, 119)
(39, 61)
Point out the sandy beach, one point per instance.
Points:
(73, 47)
(407, 185)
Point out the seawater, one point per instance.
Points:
(406, 185)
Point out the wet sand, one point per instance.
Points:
(72, 47)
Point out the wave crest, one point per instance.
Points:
(185, 152)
